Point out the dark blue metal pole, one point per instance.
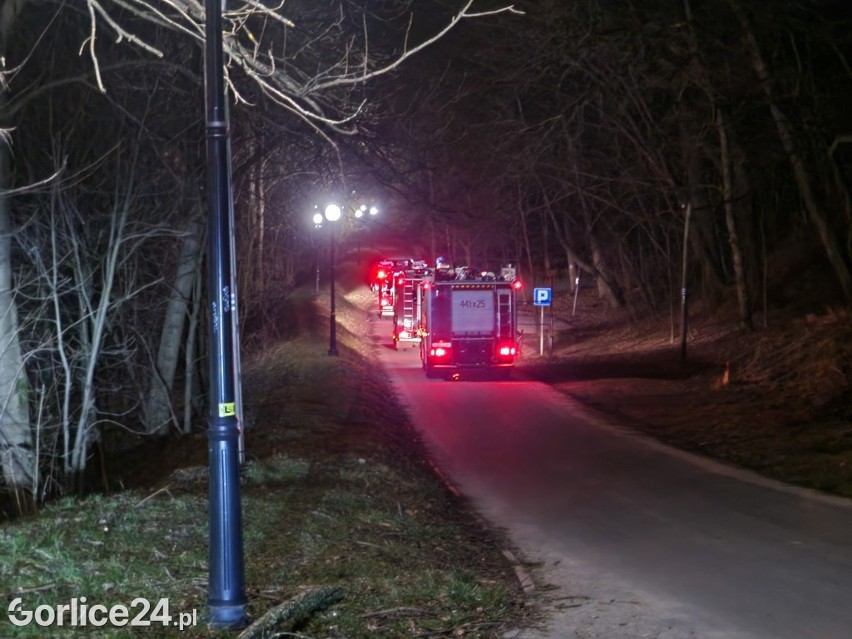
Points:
(226, 598)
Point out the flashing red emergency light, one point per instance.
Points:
(517, 284)
(381, 274)
(439, 352)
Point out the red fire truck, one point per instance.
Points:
(408, 302)
(469, 321)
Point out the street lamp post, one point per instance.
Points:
(317, 225)
(332, 214)
(226, 572)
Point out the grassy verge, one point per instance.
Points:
(335, 495)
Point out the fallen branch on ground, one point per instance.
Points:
(293, 612)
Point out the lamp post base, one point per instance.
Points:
(228, 618)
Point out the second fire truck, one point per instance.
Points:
(408, 302)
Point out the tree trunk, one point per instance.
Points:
(18, 461)
(97, 321)
(189, 390)
(609, 292)
(158, 405)
(733, 236)
(804, 180)
(684, 283)
(608, 288)
(257, 213)
(525, 235)
(702, 244)
(693, 125)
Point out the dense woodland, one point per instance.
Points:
(633, 142)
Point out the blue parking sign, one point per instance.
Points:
(542, 296)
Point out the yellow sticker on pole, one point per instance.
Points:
(227, 410)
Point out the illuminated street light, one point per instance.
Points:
(332, 212)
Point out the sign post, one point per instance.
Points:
(541, 298)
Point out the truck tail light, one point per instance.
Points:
(439, 352)
(507, 350)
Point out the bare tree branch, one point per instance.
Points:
(307, 93)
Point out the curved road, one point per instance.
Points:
(641, 540)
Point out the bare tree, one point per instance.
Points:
(100, 359)
(819, 193)
(300, 69)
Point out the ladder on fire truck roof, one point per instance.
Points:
(408, 293)
(504, 313)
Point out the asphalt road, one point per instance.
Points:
(639, 540)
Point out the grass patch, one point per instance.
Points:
(109, 550)
(275, 470)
